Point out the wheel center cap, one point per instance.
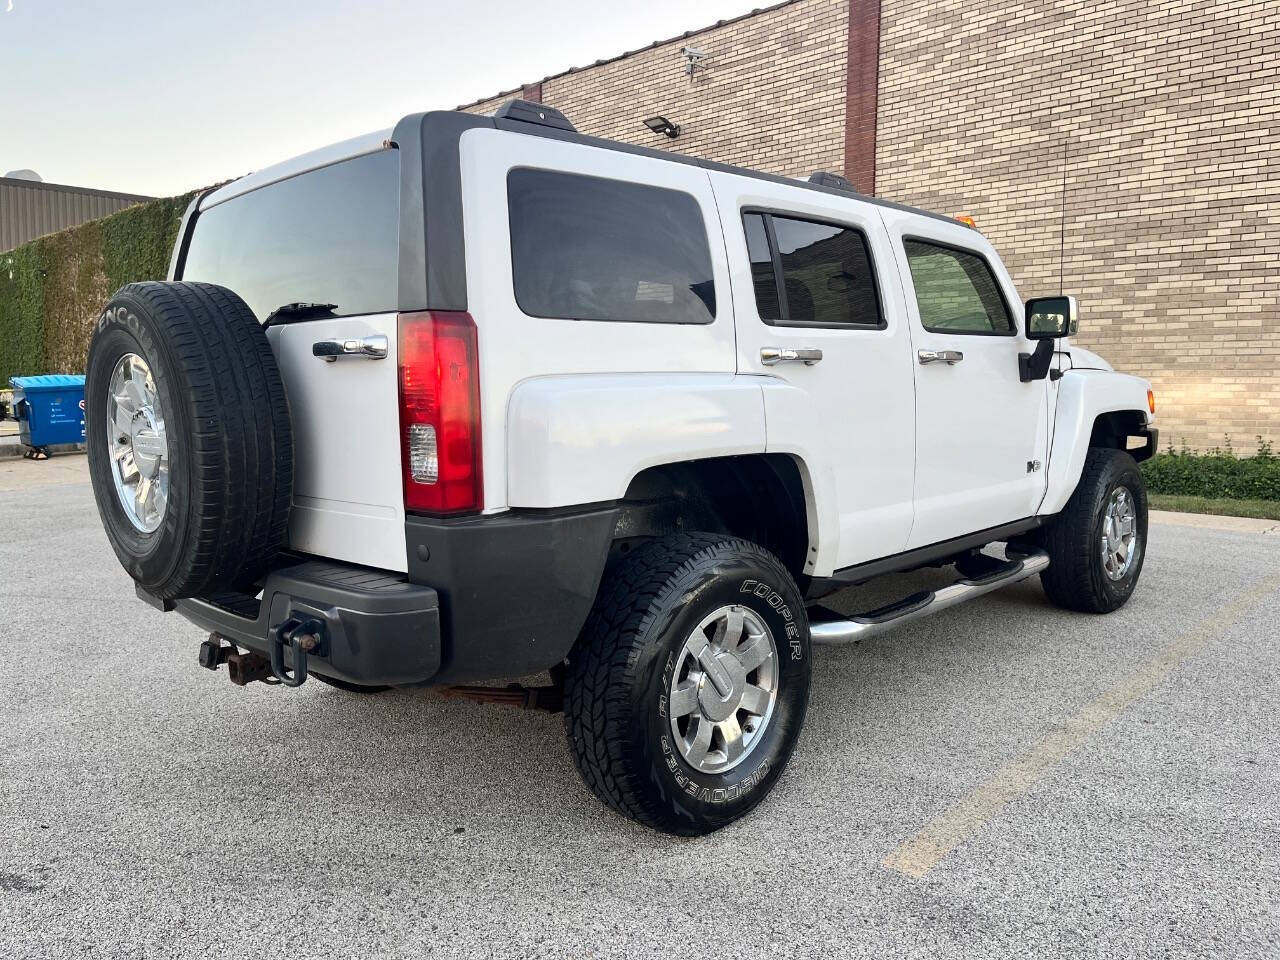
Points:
(148, 445)
(723, 687)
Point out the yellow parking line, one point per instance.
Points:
(924, 851)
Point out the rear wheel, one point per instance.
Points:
(687, 689)
(1097, 544)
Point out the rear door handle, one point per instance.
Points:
(940, 356)
(806, 355)
(371, 348)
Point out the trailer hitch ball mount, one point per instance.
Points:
(301, 637)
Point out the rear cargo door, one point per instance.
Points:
(314, 252)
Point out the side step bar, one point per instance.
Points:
(919, 605)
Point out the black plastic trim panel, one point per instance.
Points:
(515, 588)
(919, 557)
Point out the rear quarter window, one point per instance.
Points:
(587, 248)
(327, 236)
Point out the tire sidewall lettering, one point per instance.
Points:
(739, 783)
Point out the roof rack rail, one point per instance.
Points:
(824, 178)
(538, 113)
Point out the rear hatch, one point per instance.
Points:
(312, 246)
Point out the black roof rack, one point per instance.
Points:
(824, 178)
(538, 113)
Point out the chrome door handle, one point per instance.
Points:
(806, 355)
(940, 356)
(371, 348)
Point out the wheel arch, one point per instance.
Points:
(1096, 408)
(765, 498)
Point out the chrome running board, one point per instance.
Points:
(918, 605)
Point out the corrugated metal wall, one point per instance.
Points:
(29, 209)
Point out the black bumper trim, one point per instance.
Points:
(515, 588)
(381, 628)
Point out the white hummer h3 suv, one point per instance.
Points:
(480, 397)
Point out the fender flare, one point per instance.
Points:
(583, 439)
(1083, 396)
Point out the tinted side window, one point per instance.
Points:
(822, 274)
(956, 292)
(762, 276)
(586, 248)
(328, 236)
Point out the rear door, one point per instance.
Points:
(819, 313)
(981, 433)
(326, 236)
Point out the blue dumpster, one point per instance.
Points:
(49, 409)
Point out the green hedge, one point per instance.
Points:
(52, 289)
(1217, 474)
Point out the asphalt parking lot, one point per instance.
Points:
(1008, 779)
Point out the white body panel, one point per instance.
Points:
(849, 417)
(574, 440)
(892, 454)
(1082, 359)
(348, 498)
(978, 427)
(514, 347)
(1082, 396)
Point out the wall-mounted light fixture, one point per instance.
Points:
(663, 125)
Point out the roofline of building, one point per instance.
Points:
(63, 188)
(630, 53)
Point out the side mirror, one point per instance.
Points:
(1051, 317)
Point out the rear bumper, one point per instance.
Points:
(515, 588)
(380, 628)
(493, 596)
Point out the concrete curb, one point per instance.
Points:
(11, 448)
(1210, 521)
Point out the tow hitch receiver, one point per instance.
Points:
(242, 668)
(301, 637)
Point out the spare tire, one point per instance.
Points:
(189, 439)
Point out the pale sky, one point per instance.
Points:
(160, 96)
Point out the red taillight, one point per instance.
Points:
(440, 412)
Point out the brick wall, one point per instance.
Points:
(1168, 113)
(1169, 116)
(769, 95)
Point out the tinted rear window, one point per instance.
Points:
(585, 248)
(328, 236)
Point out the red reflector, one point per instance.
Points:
(440, 412)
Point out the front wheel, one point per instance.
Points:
(1097, 544)
(686, 691)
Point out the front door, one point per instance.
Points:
(819, 317)
(981, 433)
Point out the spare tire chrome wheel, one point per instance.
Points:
(136, 440)
(189, 440)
